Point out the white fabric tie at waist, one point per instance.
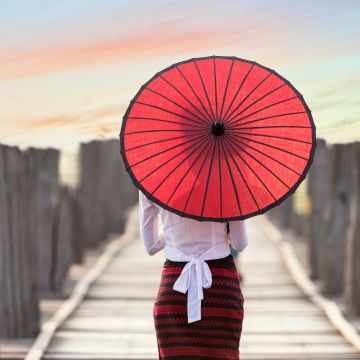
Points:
(197, 269)
(196, 275)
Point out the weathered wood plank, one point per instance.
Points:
(115, 320)
(49, 328)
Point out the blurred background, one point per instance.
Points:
(68, 70)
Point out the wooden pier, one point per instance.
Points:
(113, 320)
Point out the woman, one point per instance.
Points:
(198, 311)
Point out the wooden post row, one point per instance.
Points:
(332, 228)
(105, 190)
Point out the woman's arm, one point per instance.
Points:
(148, 217)
(238, 235)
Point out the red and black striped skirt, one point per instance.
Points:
(217, 335)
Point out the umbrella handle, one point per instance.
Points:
(227, 227)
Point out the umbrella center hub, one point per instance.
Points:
(218, 128)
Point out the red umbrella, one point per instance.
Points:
(217, 139)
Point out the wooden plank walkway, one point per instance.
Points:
(115, 319)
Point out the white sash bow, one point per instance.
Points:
(195, 276)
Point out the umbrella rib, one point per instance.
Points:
(259, 162)
(157, 130)
(264, 108)
(208, 178)
(177, 165)
(201, 120)
(266, 118)
(238, 90)
(197, 176)
(273, 126)
(252, 170)
(226, 88)
(267, 155)
(171, 148)
(229, 117)
(254, 102)
(207, 120)
(188, 170)
(215, 89)
(159, 141)
(167, 111)
(239, 131)
(163, 120)
(196, 95)
(167, 161)
(220, 185)
(203, 86)
(241, 174)
(272, 146)
(231, 177)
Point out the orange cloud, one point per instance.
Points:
(153, 42)
(48, 122)
(90, 118)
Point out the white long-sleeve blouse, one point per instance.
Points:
(189, 240)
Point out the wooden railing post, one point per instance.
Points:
(62, 239)
(319, 192)
(47, 197)
(336, 222)
(19, 309)
(104, 191)
(352, 263)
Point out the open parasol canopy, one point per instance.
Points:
(217, 139)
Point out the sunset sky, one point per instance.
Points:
(68, 69)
